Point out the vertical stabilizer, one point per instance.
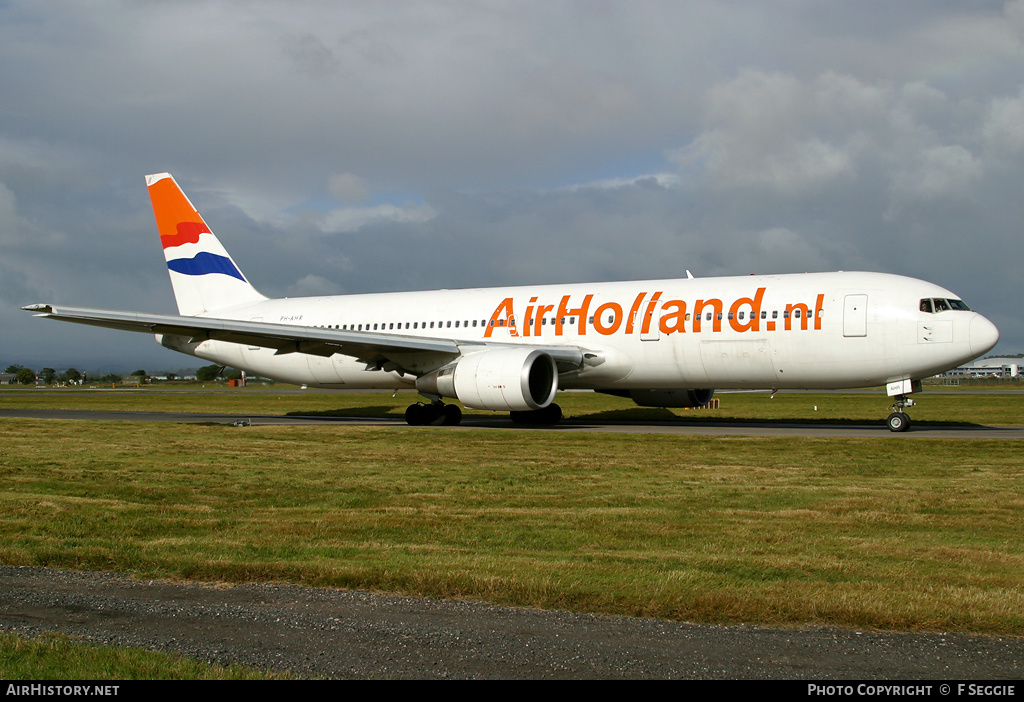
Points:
(202, 273)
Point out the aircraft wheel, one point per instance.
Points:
(898, 421)
(452, 416)
(552, 414)
(416, 415)
(434, 414)
(419, 415)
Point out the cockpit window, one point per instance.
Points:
(938, 304)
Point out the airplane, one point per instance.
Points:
(662, 343)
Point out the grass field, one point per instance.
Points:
(876, 533)
(56, 657)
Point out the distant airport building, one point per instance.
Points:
(987, 368)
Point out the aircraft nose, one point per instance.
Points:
(983, 335)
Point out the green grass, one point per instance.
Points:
(58, 657)
(879, 533)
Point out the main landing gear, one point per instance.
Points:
(438, 413)
(552, 414)
(900, 420)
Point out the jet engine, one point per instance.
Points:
(672, 397)
(506, 379)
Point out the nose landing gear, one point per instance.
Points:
(899, 420)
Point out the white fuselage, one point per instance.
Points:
(814, 330)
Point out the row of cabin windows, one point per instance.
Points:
(391, 326)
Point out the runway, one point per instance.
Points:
(705, 428)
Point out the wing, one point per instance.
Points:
(413, 354)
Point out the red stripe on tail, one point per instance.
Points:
(188, 233)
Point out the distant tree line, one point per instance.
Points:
(49, 376)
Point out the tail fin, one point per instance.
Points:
(202, 273)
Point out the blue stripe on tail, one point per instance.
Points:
(204, 263)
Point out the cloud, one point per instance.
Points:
(940, 172)
(313, 286)
(351, 219)
(346, 187)
(1003, 127)
(309, 55)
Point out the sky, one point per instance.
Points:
(349, 147)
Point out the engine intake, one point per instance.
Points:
(505, 379)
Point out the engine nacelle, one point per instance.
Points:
(672, 397)
(512, 379)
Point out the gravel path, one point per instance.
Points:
(346, 634)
